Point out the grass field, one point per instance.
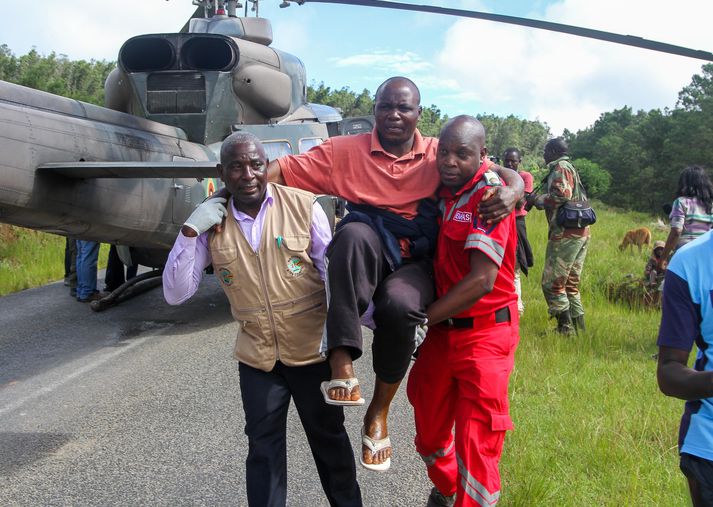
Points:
(30, 258)
(592, 427)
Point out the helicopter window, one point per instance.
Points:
(276, 149)
(308, 143)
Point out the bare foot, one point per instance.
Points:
(340, 361)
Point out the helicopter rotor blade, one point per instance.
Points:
(628, 40)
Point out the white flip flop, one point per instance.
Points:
(375, 445)
(348, 384)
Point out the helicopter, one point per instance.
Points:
(130, 173)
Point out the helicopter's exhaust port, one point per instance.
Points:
(146, 54)
(208, 53)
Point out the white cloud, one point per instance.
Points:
(85, 28)
(394, 62)
(568, 81)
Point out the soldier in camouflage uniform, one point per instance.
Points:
(566, 248)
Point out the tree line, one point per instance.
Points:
(627, 159)
(77, 79)
(644, 151)
(502, 133)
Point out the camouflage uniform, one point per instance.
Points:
(566, 248)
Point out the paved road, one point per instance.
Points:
(140, 405)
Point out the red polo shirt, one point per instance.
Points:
(358, 169)
(529, 182)
(461, 231)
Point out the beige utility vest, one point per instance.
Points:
(275, 294)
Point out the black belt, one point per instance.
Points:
(502, 315)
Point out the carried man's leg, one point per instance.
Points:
(357, 273)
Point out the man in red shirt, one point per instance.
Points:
(382, 252)
(463, 366)
(512, 159)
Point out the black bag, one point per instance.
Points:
(576, 215)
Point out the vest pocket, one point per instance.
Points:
(300, 325)
(254, 343)
(297, 262)
(226, 267)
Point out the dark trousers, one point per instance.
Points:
(525, 259)
(358, 273)
(114, 276)
(266, 398)
(699, 472)
(70, 262)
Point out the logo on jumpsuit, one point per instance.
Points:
(295, 266)
(226, 276)
(463, 216)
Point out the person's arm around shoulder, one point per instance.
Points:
(680, 326)
(499, 201)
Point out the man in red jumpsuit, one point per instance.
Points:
(463, 367)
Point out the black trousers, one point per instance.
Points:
(358, 273)
(525, 258)
(699, 472)
(114, 276)
(266, 399)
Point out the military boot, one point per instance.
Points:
(579, 324)
(564, 323)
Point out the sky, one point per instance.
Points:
(460, 65)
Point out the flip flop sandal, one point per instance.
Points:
(348, 384)
(375, 446)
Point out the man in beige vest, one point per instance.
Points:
(269, 259)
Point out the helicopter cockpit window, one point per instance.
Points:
(308, 143)
(276, 149)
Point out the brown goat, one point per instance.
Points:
(638, 237)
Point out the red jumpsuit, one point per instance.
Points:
(463, 367)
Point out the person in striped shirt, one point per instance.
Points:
(692, 212)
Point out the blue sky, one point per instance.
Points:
(462, 66)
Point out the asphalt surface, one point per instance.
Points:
(140, 405)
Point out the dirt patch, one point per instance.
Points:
(8, 234)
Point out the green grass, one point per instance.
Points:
(592, 427)
(30, 258)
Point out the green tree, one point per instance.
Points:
(347, 101)
(512, 132)
(431, 121)
(699, 94)
(80, 79)
(596, 180)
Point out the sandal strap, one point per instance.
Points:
(345, 383)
